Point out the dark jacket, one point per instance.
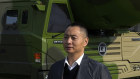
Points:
(89, 69)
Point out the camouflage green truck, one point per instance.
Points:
(31, 33)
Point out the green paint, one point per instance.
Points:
(108, 15)
(41, 7)
(34, 37)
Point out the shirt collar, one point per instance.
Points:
(78, 61)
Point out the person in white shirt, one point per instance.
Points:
(77, 65)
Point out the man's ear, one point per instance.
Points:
(86, 41)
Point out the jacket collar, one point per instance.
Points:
(84, 70)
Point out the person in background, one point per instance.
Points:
(77, 65)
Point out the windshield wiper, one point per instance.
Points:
(56, 35)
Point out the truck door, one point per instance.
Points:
(59, 19)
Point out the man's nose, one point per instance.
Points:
(69, 40)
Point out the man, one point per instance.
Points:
(77, 65)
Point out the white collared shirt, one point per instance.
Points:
(78, 61)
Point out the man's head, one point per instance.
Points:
(75, 38)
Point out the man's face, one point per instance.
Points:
(74, 40)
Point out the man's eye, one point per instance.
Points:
(65, 37)
(74, 37)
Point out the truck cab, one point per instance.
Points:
(31, 33)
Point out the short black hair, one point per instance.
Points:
(81, 26)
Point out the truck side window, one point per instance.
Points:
(59, 18)
(25, 17)
(11, 17)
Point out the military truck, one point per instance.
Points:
(114, 33)
(31, 33)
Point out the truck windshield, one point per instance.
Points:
(59, 18)
(11, 17)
